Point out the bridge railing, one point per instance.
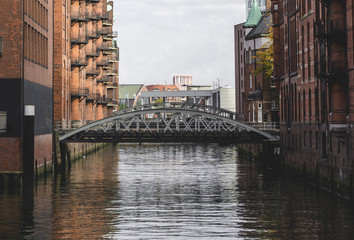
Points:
(69, 125)
(177, 105)
(266, 126)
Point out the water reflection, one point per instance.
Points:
(172, 192)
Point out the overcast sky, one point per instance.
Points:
(162, 38)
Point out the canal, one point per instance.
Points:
(176, 191)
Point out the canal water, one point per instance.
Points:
(177, 191)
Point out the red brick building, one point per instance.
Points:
(86, 62)
(256, 97)
(314, 66)
(26, 78)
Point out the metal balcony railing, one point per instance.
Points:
(92, 52)
(79, 92)
(112, 85)
(92, 72)
(112, 73)
(106, 47)
(105, 16)
(93, 97)
(333, 27)
(92, 16)
(78, 61)
(337, 26)
(112, 103)
(81, 38)
(105, 31)
(78, 16)
(332, 68)
(108, 22)
(104, 79)
(103, 62)
(103, 100)
(91, 33)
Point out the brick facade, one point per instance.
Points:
(86, 71)
(26, 67)
(313, 58)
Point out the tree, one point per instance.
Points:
(264, 57)
(160, 100)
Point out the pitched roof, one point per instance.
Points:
(254, 16)
(129, 90)
(262, 29)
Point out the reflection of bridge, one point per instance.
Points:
(168, 122)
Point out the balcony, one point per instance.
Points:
(113, 60)
(93, 97)
(105, 16)
(333, 69)
(92, 33)
(78, 16)
(92, 72)
(92, 53)
(111, 34)
(81, 39)
(78, 62)
(112, 85)
(112, 103)
(104, 31)
(105, 47)
(334, 28)
(91, 16)
(108, 22)
(104, 100)
(104, 80)
(337, 27)
(79, 92)
(102, 63)
(112, 73)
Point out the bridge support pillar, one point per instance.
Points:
(63, 150)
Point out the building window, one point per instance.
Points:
(251, 80)
(260, 117)
(3, 121)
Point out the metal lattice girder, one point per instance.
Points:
(167, 122)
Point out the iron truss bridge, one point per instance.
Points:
(168, 122)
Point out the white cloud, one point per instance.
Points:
(161, 38)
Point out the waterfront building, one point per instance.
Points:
(86, 62)
(224, 97)
(129, 95)
(256, 96)
(182, 82)
(239, 37)
(162, 88)
(26, 77)
(262, 4)
(313, 64)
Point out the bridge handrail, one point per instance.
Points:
(201, 108)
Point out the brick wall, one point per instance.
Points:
(10, 154)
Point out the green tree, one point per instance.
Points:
(264, 57)
(160, 100)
